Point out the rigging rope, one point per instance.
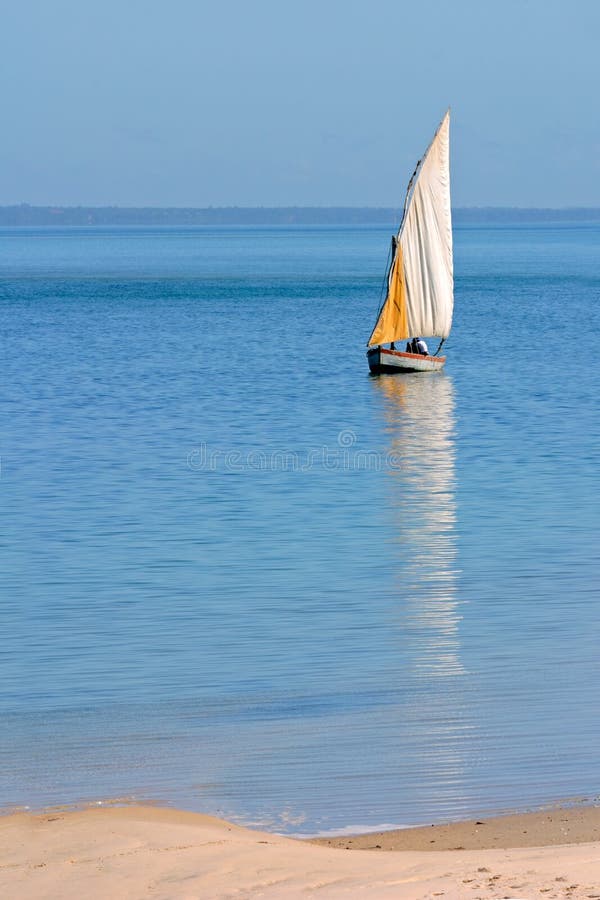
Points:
(384, 283)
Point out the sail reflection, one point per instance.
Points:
(420, 424)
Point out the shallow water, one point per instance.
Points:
(240, 575)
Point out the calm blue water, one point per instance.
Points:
(241, 576)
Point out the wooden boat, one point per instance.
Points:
(391, 361)
(419, 299)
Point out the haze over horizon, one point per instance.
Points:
(275, 105)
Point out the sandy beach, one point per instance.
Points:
(149, 852)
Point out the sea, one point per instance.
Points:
(240, 575)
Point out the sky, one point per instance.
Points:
(303, 103)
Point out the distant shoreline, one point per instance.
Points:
(26, 215)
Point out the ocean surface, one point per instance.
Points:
(241, 576)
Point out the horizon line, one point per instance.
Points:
(374, 208)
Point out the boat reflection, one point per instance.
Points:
(420, 424)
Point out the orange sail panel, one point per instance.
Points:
(392, 324)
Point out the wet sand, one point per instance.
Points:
(548, 828)
(145, 852)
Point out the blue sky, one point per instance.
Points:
(192, 103)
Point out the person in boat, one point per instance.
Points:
(417, 345)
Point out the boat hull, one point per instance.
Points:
(383, 361)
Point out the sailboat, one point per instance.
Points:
(420, 284)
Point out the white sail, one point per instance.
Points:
(420, 296)
(426, 241)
